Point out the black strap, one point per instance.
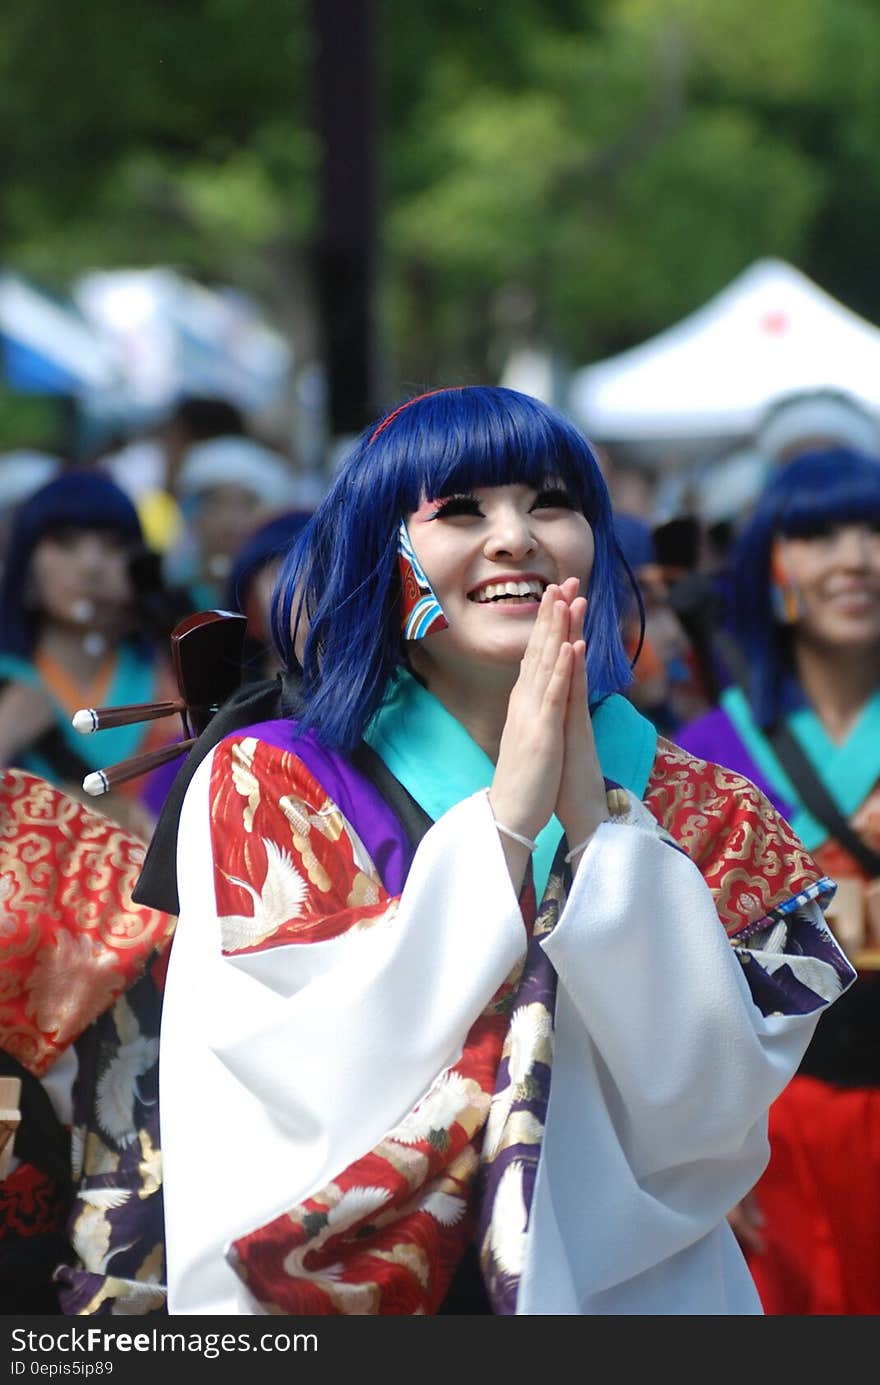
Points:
(156, 885)
(817, 799)
(410, 814)
(813, 793)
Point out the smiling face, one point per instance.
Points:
(489, 555)
(837, 576)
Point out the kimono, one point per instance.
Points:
(820, 1194)
(80, 1208)
(375, 1057)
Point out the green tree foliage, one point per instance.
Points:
(576, 172)
(176, 131)
(634, 157)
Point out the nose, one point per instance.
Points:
(510, 535)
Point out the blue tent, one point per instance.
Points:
(46, 346)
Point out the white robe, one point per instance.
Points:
(279, 1068)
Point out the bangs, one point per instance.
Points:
(827, 488)
(74, 501)
(459, 440)
(805, 498)
(78, 500)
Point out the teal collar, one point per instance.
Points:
(435, 759)
(849, 771)
(133, 680)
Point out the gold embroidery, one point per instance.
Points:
(244, 780)
(297, 814)
(150, 1166)
(406, 1160)
(721, 818)
(362, 1300)
(62, 987)
(521, 1128)
(71, 938)
(387, 916)
(363, 892)
(328, 820)
(98, 1158)
(412, 1257)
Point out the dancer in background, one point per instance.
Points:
(72, 636)
(803, 611)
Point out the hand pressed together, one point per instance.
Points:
(547, 761)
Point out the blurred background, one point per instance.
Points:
(235, 232)
(315, 208)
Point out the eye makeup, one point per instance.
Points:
(551, 496)
(443, 507)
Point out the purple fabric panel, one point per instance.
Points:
(780, 992)
(537, 986)
(362, 804)
(714, 737)
(134, 1215)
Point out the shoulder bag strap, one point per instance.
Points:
(156, 885)
(411, 815)
(817, 799)
(813, 793)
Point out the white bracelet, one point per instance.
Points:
(575, 849)
(517, 837)
(509, 832)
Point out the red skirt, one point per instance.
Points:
(820, 1198)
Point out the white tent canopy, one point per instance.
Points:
(706, 382)
(172, 335)
(48, 347)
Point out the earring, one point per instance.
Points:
(420, 612)
(785, 599)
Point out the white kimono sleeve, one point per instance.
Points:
(664, 1068)
(280, 1067)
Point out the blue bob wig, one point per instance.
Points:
(77, 499)
(806, 498)
(340, 581)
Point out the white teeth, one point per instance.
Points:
(495, 589)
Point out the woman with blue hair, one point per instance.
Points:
(803, 612)
(71, 636)
(76, 953)
(452, 1019)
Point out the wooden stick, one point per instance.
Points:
(101, 781)
(89, 719)
(10, 1119)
